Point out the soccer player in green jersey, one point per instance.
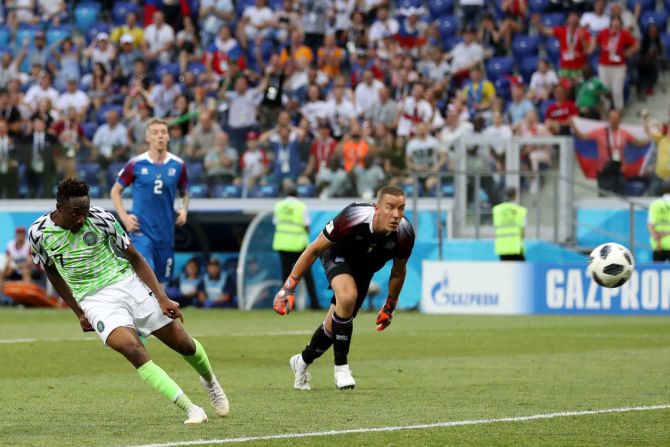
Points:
(110, 287)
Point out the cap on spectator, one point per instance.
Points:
(252, 135)
(127, 38)
(213, 260)
(102, 36)
(40, 34)
(71, 78)
(21, 229)
(362, 52)
(468, 29)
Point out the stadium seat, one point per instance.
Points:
(226, 191)
(198, 190)
(276, 5)
(553, 19)
(408, 4)
(447, 190)
(409, 189)
(173, 68)
(306, 191)
(112, 171)
(451, 42)
(86, 14)
(634, 188)
(95, 191)
(56, 33)
(264, 191)
(553, 48)
(89, 129)
(645, 5)
(503, 88)
(89, 172)
(121, 10)
(538, 5)
(665, 41)
(26, 32)
(497, 67)
(106, 108)
(242, 4)
(5, 35)
(448, 26)
(440, 8)
(194, 171)
(659, 18)
(197, 68)
(528, 67)
(524, 46)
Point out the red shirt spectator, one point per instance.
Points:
(612, 46)
(562, 111)
(573, 46)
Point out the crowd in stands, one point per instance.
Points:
(337, 95)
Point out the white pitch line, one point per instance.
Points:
(9, 341)
(408, 427)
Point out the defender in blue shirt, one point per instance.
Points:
(155, 176)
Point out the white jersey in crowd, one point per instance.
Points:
(19, 255)
(423, 151)
(411, 113)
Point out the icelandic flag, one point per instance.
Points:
(634, 158)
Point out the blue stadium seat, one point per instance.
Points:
(645, 5)
(106, 108)
(56, 33)
(665, 41)
(553, 19)
(194, 171)
(121, 10)
(538, 5)
(634, 188)
(553, 48)
(503, 88)
(198, 190)
(161, 69)
(197, 68)
(497, 67)
(112, 171)
(242, 4)
(306, 191)
(276, 5)
(542, 110)
(447, 190)
(86, 14)
(26, 32)
(408, 4)
(264, 191)
(89, 172)
(5, 35)
(659, 18)
(227, 191)
(95, 191)
(409, 189)
(451, 42)
(524, 46)
(89, 129)
(528, 67)
(440, 8)
(448, 26)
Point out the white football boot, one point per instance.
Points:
(217, 396)
(343, 378)
(195, 415)
(302, 377)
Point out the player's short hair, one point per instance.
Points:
(154, 121)
(71, 187)
(390, 190)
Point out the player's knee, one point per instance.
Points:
(346, 303)
(185, 346)
(135, 353)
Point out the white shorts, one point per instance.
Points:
(128, 302)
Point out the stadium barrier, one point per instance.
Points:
(515, 288)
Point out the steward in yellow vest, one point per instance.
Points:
(291, 237)
(658, 223)
(509, 220)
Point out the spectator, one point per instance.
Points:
(340, 112)
(423, 155)
(629, 20)
(560, 112)
(332, 180)
(449, 136)
(354, 148)
(478, 92)
(367, 92)
(315, 14)
(411, 34)
(9, 66)
(125, 63)
(575, 44)
(162, 97)
(383, 111)
(651, 56)
(284, 20)
(100, 85)
(323, 148)
(515, 13)
(188, 44)
(131, 28)
(213, 15)
(660, 178)
(73, 97)
(110, 142)
(284, 157)
(360, 63)
(464, 56)
(611, 142)
(472, 10)
(203, 136)
(392, 152)
(46, 112)
(216, 289)
(502, 132)
(137, 129)
(617, 46)
(253, 162)
(18, 261)
(297, 52)
(10, 113)
(101, 51)
(256, 22)
(221, 162)
(178, 144)
(534, 156)
(315, 107)
(590, 94)
(596, 20)
(72, 139)
(9, 164)
(185, 289)
(412, 111)
(542, 82)
(519, 106)
(330, 57)
(382, 26)
(40, 91)
(224, 52)
(39, 149)
(243, 102)
(490, 37)
(39, 52)
(159, 39)
(272, 101)
(180, 115)
(67, 55)
(368, 178)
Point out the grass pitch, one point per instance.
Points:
(60, 387)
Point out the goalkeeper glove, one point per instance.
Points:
(385, 315)
(284, 299)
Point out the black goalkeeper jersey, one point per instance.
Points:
(355, 242)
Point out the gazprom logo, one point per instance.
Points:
(443, 296)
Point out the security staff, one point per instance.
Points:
(509, 218)
(658, 223)
(291, 237)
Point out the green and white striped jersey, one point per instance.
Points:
(88, 260)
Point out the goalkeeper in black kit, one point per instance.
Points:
(352, 247)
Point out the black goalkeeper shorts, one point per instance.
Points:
(337, 265)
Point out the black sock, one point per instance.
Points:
(320, 342)
(342, 329)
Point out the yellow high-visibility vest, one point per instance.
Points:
(290, 231)
(659, 218)
(509, 219)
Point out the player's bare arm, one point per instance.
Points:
(182, 214)
(66, 293)
(143, 270)
(396, 281)
(129, 220)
